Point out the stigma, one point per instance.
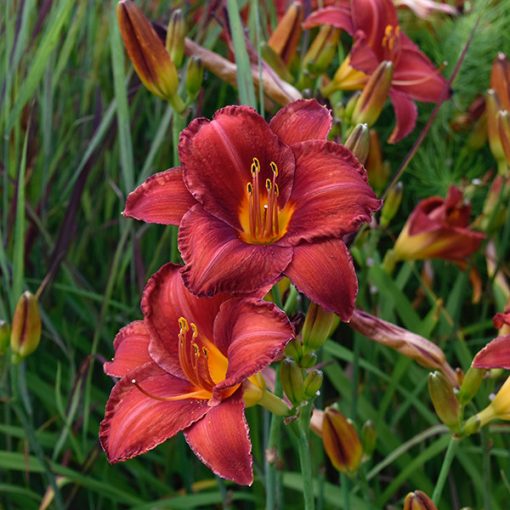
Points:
(263, 210)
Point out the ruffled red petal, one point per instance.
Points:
(302, 120)
(135, 423)
(331, 194)
(217, 156)
(131, 346)
(253, 333)
(325, 273)
(221, 441)
(405, 114)
(495, 354)
(162, 198)
(337, 16)
(218, 261)
(164, 300)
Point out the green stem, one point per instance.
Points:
(445, 469)
(271, 449)
(274, 404)
(305, 460)
(344, 485)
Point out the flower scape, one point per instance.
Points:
(255, 255)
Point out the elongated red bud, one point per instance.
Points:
(286, 35)
(418, 500)
(26, 326)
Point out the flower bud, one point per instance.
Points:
(392, 204)
(374, 95)
(443, 398)
(378, 170)
(294, 349)
(322, 50)
(358, 142)
(175, 35)
(470, 385)
(368, 438)
(341, 441)
(418, 500)
(504, 133)
(312, 383)
(26, 326)
(500, 80)
(308, 360)
(319, 325)
(275, 61)
(286, 35)
(348, 78)
(5, 333)
(291, 376)
(149, 56)
(493, 107)
(194, 77)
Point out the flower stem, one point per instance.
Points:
(445, 468)
(274, 404)
(273, 441)
(305, 460)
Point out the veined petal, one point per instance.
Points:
(253, 333)
(162, 198)
(362, 55)
(302, 120)
(164, 300)
(131, 346)
(217, 156)
(495, 354)
(135, 423)
(338, 17)
(415, 75)
(405, 113)
(221, 441)
(331, 194)
(218, 261)
(324, 272)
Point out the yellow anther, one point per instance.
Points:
(196, 350)
(204, 352)
(249, 187)
(255, 166)
(194, 329)
(276, 190)
(268, 185)
(183, 325)
(274, 168)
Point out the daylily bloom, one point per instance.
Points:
(255, 201)
(185, 367)
(439, 228)
(378, 38)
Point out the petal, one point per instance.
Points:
(135, 423)
(495, 354)
(302, 120)
(338, 17)
(415, 75)
(131, 350)
(372, 17)
(330, 193)
(221, 441)
(405, 113)
(324, 272)
(217, 156)
(164, 300)
(362, 56)
(218, 261)
(162, 198)
(253, 333)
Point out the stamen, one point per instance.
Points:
(255, 171)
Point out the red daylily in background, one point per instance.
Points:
(377, 38)
(255, 201)
(496, 354)
(439, 228)
(183, 368)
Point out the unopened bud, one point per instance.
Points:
(504, 133)
(175, 35)
(146, 51)
(378, 170)
(322, 50)
(500, 80)
(292, 380)
(374, 95)
(293, 350)
(194, 76)
(275, 61)
(308, 360)
(443, 398)
(312, 383)
(341, 441)
(286, 35)
(319, 325)
(5, 333)
(358, 142)
(26, 326)
(470, 385)
(348, 78)
(492, 126)
(418, 500)
(368, 438)
(392, 204)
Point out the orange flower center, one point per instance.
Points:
(390, 40)
(262, 220)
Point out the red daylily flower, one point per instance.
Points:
(255, 201)
(378, 38)
(184, 368)
(439, 228)
(496, 354)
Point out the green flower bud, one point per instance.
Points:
(194, 76)
(291, 376)
(443, 398)
(470, 385)
(358, 142)
(368, 438)
(392, 204)
(319, 325)
(175, 35)
(312, 383)
(26, 326)
(5, 333)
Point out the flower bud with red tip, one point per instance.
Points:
(418, 500)
(26, 326)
